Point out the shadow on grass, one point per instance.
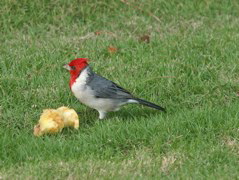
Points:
(90, 116)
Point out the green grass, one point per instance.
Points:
(190, 66)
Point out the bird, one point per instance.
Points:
(98, 92)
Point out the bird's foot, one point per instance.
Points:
(102, 114)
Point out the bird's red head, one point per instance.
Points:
(75, 67)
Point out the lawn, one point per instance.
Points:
(189, 64)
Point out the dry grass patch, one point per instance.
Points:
(232, 144)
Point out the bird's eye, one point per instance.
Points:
(73, 68)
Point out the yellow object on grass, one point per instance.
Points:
(54, 120)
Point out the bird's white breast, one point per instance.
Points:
(85, 94)
(80, 89)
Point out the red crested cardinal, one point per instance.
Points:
(98, 92)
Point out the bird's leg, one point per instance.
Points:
(102, 114)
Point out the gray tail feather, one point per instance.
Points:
(149, 104)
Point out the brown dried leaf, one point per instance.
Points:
(145, 38)
(97, 33)
(112, 49)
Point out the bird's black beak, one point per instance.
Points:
(66, 66)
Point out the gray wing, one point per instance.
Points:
(105, 88)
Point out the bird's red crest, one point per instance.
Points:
(79, 62)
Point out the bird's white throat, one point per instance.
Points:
(80, 82)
